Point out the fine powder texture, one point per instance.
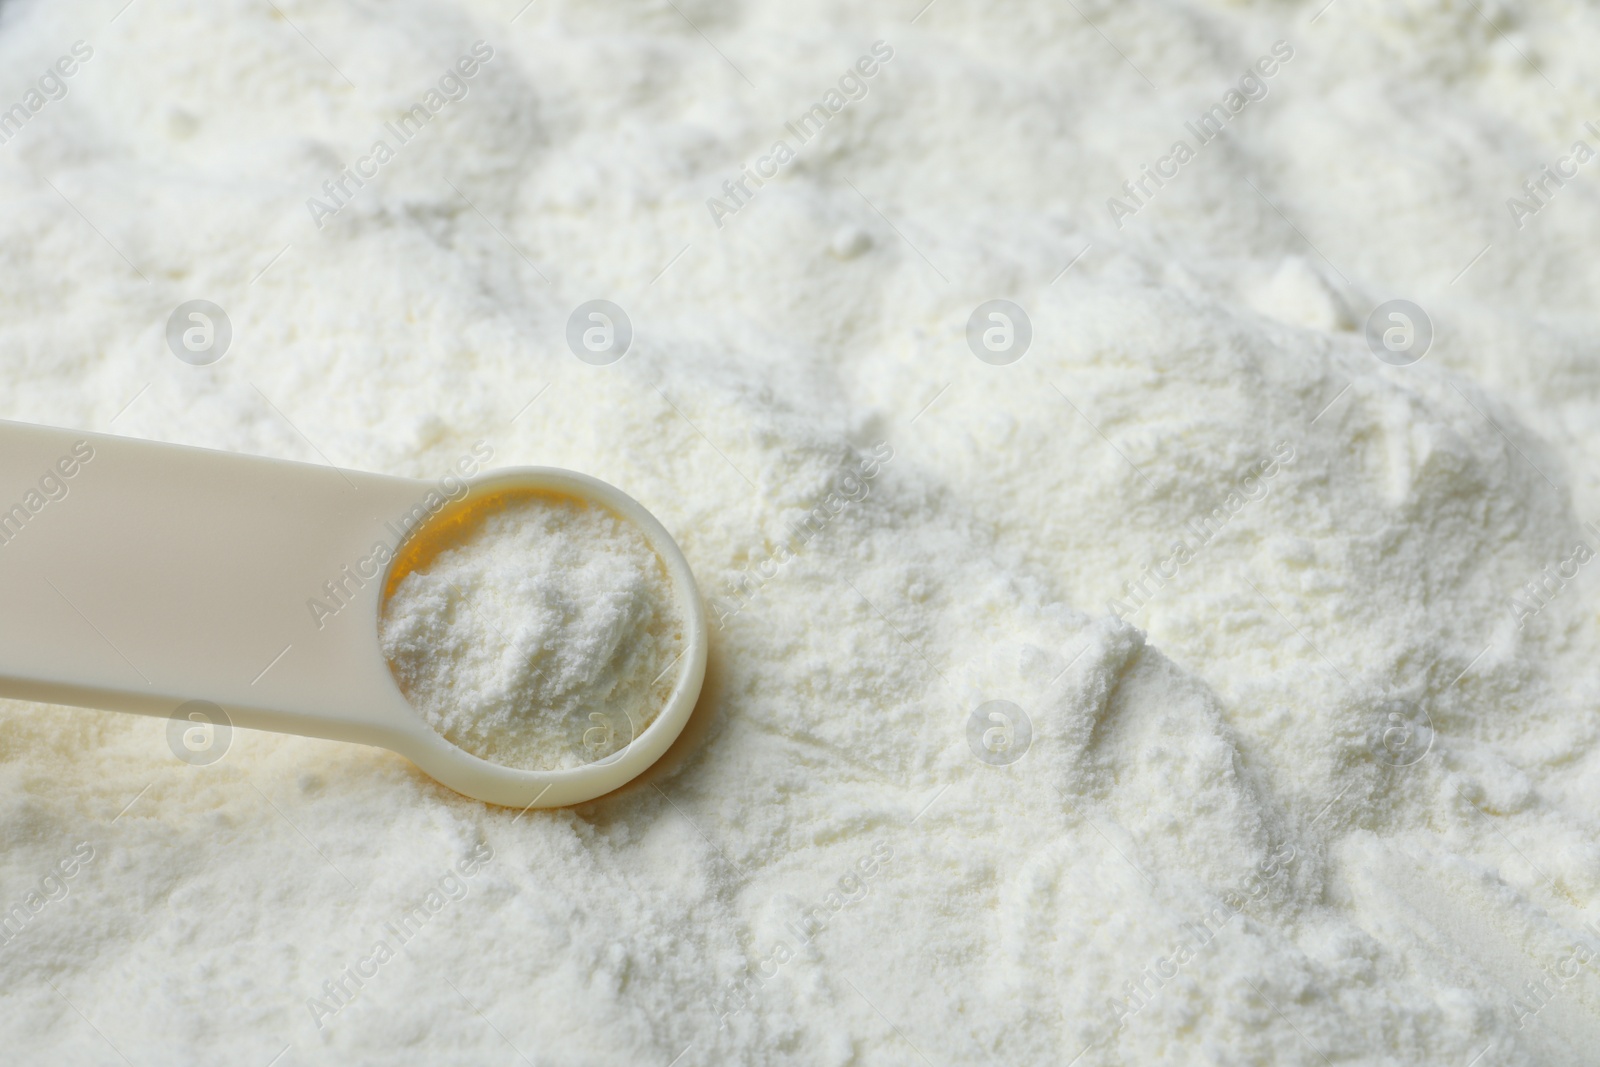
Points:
(1197, 689)
(539, 640)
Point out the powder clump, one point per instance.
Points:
(538, 640)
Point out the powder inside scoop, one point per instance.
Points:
(538, 638)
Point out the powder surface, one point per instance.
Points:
(1323, 787)
(537, 642)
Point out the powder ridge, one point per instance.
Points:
(540, 639)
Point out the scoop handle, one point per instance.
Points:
(137, 576)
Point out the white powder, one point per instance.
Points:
(542, 640)
(824, 873)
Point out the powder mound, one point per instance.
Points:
(539, 640)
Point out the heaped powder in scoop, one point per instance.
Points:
(539, 639)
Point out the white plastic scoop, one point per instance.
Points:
(137, 576)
